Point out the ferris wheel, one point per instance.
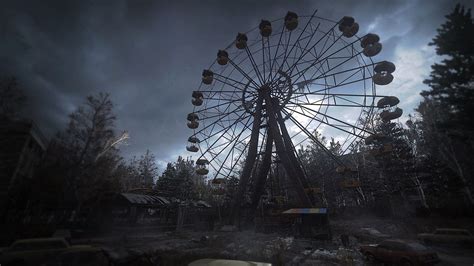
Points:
(274, 86)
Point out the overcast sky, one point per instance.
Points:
(149, 54)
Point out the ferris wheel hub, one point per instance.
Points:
(265, 88)
(279, 87)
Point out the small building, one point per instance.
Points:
(132, 208)
(148, 208)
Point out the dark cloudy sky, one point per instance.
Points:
(149, 54)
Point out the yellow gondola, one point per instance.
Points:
(241, 41)
(371, 45)
(222, 57)
(391, 115)
(265, 28)
(207, 76)
(348, 27)
(388, 101)
(291, 21)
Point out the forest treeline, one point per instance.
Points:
(430, 157)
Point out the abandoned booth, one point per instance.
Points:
(154, 210)
(141, 209)
(309, 222)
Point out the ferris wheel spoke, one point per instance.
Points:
(224, 80)
(219, 114)
(214, 92)
(221, 95)
(320, 60)
(343, 84)
(345, 102)
(312, 80)
(245, 125)
(269, 61)
(339, 94)
(276, 53)
(331, 30)
(243, 73)
(225, 145)
(328, 117)
(344, 98)
(329, 87)
(225, 130)
(362, 69)
(228, 84)
(333, 118)
(263, 61)
(233, 80)
(307, 125)
(254, 65)
(237, 160)
(313, 138)
(297, 40)
(336, 105)
(304, 51)
(294, 153)
(313, 118)
(211, 124)
(213, 134)
(236, 142)
(218, 105)
(221, 98)
(307, 99)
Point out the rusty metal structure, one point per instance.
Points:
(273, 87)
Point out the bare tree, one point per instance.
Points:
(86, 145)
(147, 170)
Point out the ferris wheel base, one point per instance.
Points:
(277, 135)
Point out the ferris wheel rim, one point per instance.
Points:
(373, 89)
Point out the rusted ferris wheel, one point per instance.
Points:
(274, 86)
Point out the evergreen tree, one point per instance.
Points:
(395, 160)
(167, 184)
(447, 108)
(386, 165)
(128, 174)
(436, 178)
(451, 81)
(320, 168)
(179, 180)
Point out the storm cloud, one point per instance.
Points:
(149, 54)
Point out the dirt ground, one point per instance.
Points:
(146, 247)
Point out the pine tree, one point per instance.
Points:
(452, 81)
(447, 108)
(179, 180)
(396, 165)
